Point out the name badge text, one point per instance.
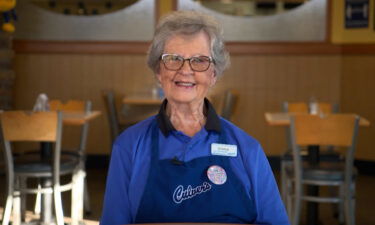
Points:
(224, 150)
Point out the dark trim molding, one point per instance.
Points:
(80, 47)
(351, 49)
(235, 48)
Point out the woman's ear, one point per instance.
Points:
(213, 79)
(158, 77)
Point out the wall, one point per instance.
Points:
(357, 95)
(35, 23)
(270, 80)
(265, 74)
(81, 76)
(304, 23)
(357, 76)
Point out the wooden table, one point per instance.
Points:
(137, 107)
(79, 118)
(142, 99)
(283, 119)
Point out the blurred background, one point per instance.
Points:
(281, 50)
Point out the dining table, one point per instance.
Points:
(139, 106)
(142, 99)
(70, 118)
(282, 119)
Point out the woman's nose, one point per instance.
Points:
(186, 68)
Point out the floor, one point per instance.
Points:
(96, 183)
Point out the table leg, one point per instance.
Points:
(47, 203)
(312, 215)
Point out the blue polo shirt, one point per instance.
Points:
(131, 156)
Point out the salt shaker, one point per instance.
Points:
(313, 106)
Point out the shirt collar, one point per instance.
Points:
(165, 125)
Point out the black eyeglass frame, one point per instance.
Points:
(210, 60)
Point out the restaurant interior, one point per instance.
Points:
(282, 51)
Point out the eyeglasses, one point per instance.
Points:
(197, 63)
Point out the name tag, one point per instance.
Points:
(224, 150)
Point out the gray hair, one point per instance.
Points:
(188, 23)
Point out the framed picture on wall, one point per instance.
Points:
(356, 13)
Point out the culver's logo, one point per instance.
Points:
(180, 194)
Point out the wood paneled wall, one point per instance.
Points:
(263, 82)
(357, 95)
(80, 76)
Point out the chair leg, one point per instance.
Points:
(86, 199)
(8, 209)
(341, 205)
(297, 203)
(58, 204)
(16, 203)
(283, 182)
(23, 184)
(77, 197)
(9, 203)
(349, 204)
(353, 201)
(289, 194)
(38, 201)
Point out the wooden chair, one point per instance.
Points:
(228, 104)
(21, 126)
(80, 151)
(122, 116)
(112, 114)
(312, 130)
(302, 108)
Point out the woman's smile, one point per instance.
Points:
(184, 84)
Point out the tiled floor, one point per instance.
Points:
(96, 183)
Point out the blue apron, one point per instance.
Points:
(179, 191)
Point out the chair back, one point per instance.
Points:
(333, 129)
(230, 101)
(29, 126)
(22, 126)
(75, 106)
(110, 106)
(293, 107)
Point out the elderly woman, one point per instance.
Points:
(187, 164)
